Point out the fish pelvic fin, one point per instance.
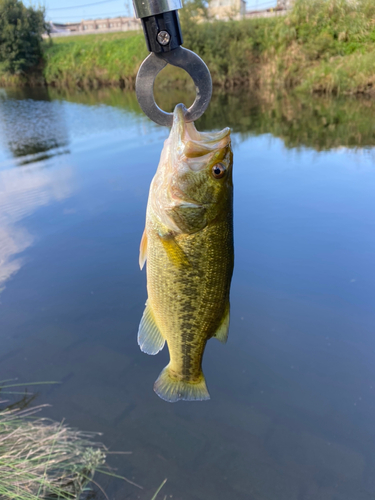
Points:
(172, 389)
(150, 339)
(221, 333)
(143, 250)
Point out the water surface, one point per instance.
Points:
(293, 406)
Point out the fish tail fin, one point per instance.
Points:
(172, 389)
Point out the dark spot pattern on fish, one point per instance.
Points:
(189, 271)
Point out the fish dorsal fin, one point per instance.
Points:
(150, 340)
(143, 250)
(222, 332)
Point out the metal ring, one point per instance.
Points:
(192, 64)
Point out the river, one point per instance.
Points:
(292, 408)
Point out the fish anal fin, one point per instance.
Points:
(172, 389)
(143, 250)
(221, 333)
(150, 339)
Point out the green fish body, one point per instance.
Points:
(188, 244)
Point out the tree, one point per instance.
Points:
(21, 30)
(194, 11)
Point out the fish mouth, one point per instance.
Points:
(179, 114)
(193, 144)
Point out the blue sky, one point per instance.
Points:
(75, 10)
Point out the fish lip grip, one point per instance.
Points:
(192, 64)
(163, 36)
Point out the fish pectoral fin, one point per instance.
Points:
(143, 250)
(222, 332)
(174, 251)
(150, 339)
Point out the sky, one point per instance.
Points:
(75, 10)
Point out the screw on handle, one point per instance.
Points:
(162, 32)
(163, 37)
(160, 22)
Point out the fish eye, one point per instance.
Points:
(218, 170)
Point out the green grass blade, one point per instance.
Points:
(158, 490)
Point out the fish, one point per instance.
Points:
(188, 246)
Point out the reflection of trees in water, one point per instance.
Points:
(317, 122)
(32, 125)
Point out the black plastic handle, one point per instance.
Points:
(166, 22)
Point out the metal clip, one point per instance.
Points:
(192, 64)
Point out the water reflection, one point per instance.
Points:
(320, 123)
(19, 403)
(292, 409)
(32, 126)
(21, 194)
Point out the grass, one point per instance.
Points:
(92, 60)
(324, 46)
(158, 490)
(43, 459)
(40, 458)
(321, 46)
(354, 73)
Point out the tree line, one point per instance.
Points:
(21, 30)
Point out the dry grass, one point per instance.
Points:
(43, 459)
(40, 458)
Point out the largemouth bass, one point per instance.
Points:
(188, 244)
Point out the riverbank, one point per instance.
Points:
(319, 47)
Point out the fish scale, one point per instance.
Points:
(188, 243)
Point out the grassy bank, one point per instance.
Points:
(320, 46)
(93, 60)
(40, 458)
(325, 46)
(44, 459)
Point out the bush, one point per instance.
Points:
(21, 30)
(319, 46)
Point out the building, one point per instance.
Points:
(57, 28)
(109, 24)
(96, 25)
(227, 9)
(280, 9)
(285, 4)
